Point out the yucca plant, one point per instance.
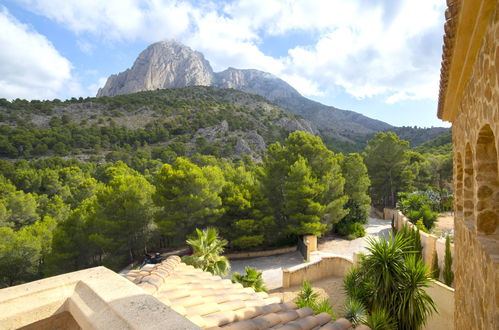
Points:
(207, 248)
(413, 304)
(383, 266)
(252, 279)
(356, 287)
(355, 312)
(307, 297)
(380, 319)
(324, 306)
(397, 278)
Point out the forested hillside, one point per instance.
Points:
(92, 182)
(160, 124)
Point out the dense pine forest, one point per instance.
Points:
(100, 181)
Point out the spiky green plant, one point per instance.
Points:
(448, 274)
(252, 279)
(355, 312)
(324, 306)
(380, 319)
(397, 278)
(356, 287)
(207, 249)
(435, 269)
(383, 266)
(413, 304)
(307, 297)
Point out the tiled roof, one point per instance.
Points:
(212, 302)
(450, 27)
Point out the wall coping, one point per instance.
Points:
(295, 268)
(256, 254)
(96, 298)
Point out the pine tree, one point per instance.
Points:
(448, 274)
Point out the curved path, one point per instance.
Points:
(272, 266)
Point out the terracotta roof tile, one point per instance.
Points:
(450, 26)
(215, 303)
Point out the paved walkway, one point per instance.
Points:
(338, 245)
(333, 245)
(271, 266)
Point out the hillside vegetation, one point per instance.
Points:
(98, 181)
(165, 123)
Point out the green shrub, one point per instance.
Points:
(420, 225)
(355, 312)
(351, 230)
(435, 270)
(448, 274)
(246, 242)
(416, 206)
(380, 319)
(308, 298)
(252, 279)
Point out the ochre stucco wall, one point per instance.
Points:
(475, 142)
(326, 267)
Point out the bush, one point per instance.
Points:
(435, 270)
(351, 230)
(380, 319)
(308, 298)
(252, 279)
(355, 312)
(448, 274)
(416, 206)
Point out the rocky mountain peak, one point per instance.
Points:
(164, 64)
(170, 64)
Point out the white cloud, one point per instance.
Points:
(30, 66)
(367, 47)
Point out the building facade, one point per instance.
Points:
(469, 98)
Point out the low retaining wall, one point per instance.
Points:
(430, 243)
(324, 268)
(256, 254)
(443, 296)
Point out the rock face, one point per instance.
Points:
(171, 64)
(162, 65)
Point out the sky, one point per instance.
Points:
(380, 58)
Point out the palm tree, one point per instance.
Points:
(207, 249)
(252, 279)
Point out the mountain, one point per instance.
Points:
(169, 64)
(160, 124)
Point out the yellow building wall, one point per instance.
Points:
(476, 182)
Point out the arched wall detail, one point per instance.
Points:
(487, 183)
(468, 187)
(458, 170)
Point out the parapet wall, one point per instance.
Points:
(95, 298)
(430, 243)
(326, 267)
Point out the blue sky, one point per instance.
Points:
(380, 58)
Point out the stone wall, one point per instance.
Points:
(476, 183)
